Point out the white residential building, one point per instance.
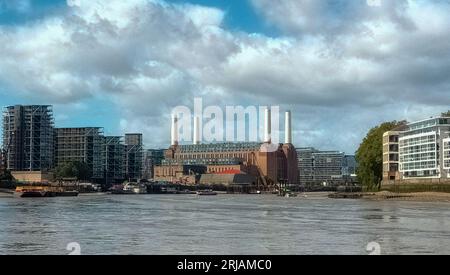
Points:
(424, 149)
(446, 142)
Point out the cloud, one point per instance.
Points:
(341, 66)
(330, 18)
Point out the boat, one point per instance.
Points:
(67, 194)
(206, 193)
(290, 195)
(170, 190)
(130, 189)
(43, 191)
(33, 192)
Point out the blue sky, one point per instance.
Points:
(241, 16)
(341, 66)
(22, 12)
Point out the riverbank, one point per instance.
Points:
(392, 196)
(379, 196)
(6, 192)
(309, 195)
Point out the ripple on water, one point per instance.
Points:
(225, 224)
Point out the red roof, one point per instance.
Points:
(229, 172)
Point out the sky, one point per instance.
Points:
(341, 66)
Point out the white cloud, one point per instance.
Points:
(330, 18)
(341, 73)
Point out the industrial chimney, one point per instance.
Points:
(196, 130)
(174, 134)
(268, 126)
(288, 128)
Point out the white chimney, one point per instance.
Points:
(174, 134)
(268, 126)
(288, 128)
(196, 130)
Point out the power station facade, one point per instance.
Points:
(189, 164)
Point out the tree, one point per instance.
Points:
(76, 169)
(6, 176)
(446, 114)
(370, 156)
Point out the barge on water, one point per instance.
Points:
(206, 193)
(42, 192)
(131, 188)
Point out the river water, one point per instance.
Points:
(224, 224)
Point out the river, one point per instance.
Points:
(224, 224)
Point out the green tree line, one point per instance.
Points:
(76, 169)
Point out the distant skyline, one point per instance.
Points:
(342, 67)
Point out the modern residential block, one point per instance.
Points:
(28, 137)
(330, 168)
(114, 160)
(424, 149)
(81, 145)
(391, 159)
(152, 158)
(134, 156)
